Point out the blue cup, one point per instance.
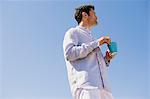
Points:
(113, 47)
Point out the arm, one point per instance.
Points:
(73, 51)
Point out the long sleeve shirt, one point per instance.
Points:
(86, 66)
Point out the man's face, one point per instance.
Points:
(92, 18)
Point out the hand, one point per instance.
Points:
(109, 55)
(104, 39)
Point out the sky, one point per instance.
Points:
(32, 65)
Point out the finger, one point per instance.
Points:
(110, 55)
(113, 55)
(107, 40)
(107, 53)
(107, 37)
(108, 50)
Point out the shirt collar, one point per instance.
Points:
(84, 29)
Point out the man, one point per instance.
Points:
(87, 68)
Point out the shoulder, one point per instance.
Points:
(70, 36)
(71, 32)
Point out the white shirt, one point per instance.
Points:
(85, 63)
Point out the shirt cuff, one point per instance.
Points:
(95, 44)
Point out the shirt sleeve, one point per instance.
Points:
(73, 51)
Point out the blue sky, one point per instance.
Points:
(31, 55)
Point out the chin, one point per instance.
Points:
(95, 24)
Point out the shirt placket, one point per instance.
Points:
(99, 63)
(98, 59)
(99, 66)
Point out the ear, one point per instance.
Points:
(84, 14)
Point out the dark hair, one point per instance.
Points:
(80, 9)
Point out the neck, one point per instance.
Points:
(85, 25)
